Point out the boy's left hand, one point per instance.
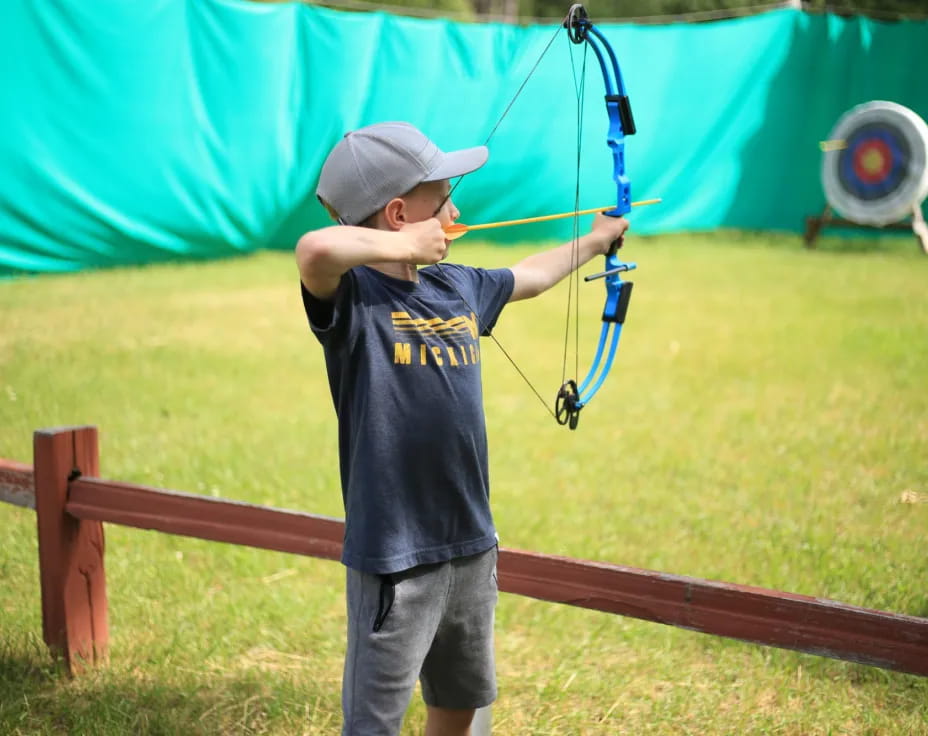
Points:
(609, 229)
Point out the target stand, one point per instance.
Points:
(816, 223)
(875, 172)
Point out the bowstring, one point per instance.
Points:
(573, 288)
(480, 323)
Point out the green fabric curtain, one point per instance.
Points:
(138, 132)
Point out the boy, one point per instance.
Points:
(403, 362)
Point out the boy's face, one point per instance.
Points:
(423, 202)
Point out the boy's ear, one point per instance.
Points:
(394, 213)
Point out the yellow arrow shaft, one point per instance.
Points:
(543, 218)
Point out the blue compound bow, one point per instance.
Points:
(571, 397)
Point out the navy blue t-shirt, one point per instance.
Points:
(403, 362)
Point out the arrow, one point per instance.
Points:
(833, 145)
(459, 229)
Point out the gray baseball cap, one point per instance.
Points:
(372, 165)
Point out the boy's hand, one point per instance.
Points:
(427, 241)
(609, 229)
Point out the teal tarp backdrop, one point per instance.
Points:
(135, 132)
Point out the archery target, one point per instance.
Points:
(881, 170)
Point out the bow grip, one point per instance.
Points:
(618, 242)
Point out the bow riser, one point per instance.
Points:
(622, 183)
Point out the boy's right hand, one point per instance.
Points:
(427, 241)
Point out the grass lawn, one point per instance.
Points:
(766, 423)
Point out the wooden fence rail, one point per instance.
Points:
(71, 503)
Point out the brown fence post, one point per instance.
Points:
(74, 616)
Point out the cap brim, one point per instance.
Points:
(458, 163)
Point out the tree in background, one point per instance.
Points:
(875, 8)
(647, 8)
(512, 10)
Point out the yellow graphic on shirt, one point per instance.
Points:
(436, 341)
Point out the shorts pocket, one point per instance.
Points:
(385, 600)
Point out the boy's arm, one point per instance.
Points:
(324, 256)
(541, 271)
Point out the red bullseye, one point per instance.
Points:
(872, 161)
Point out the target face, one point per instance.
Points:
(881, 170)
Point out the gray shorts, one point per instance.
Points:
(434, 623)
